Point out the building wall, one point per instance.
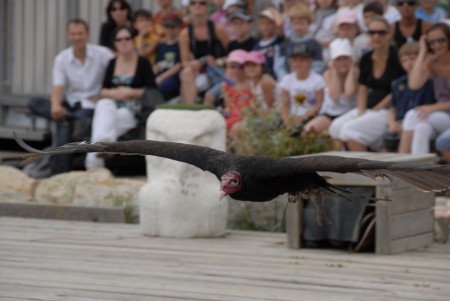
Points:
(37, 34)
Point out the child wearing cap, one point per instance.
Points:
(356, 7)
(262, 85)
(146, 40)
(347, 26)
(341, 79)
(302, 90)
(240, 23)
(270, 41)
(301, 19)
(166, 7)
(168, 65)
(409, 28)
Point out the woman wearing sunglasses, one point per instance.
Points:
(364, 126)
(126, 78)
(409, 28)
(202, 44)
(118, 13)
(424, 123)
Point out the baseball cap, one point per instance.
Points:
(237, 56)
(255, 57)
(229, 3)
(340, 47)
(348, 17)
(268, 13)
(239, 14)
(302, 49)
(171, 20)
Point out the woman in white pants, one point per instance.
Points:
(364, 126)
(426, 122)
(126, 78)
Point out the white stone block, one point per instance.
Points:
(180, 200)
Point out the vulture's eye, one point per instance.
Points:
(233, 183)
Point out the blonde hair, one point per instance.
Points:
(408, 49)
(300, 11)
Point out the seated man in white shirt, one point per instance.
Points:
(77, 80)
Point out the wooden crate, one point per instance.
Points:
(404, 223)
(104, 215)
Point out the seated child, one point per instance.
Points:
(361, 43)
(302, 90)
(341, 79)
(301, 19)
(168, 65)
(241, 23)
(146, 40)
(403, 98)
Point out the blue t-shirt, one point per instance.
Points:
(437, 15)
(270, 50)
(167, 55)
(405, 99)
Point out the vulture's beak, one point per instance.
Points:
(222, 194)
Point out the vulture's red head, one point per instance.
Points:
(230, 182)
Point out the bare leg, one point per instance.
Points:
(446, 156)
(405, 142)
(188, 87)
(356, 146)
(318, 124)
(209, 99)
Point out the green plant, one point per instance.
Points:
(266, 136)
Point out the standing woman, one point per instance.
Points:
(202, 43)
(426, 122)
(126, 78)
(118, 13)
(365, 125)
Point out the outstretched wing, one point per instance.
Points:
(424, 176)
(205, 158)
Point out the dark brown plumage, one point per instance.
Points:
(260, 179)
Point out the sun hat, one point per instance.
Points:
(237, 56)
(348, 17)
(255, 57)
(340, 47)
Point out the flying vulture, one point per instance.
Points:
(260, 179)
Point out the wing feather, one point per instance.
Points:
(424, 176)
(202, 157)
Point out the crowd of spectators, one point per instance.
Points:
(375, 75)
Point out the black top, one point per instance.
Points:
(247, 45)
(143, 77)
(400, 39)
(212, 46)
(106, 34)
(378, 88)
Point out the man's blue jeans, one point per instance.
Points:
(41, 106)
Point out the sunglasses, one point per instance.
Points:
(122, 39)
(409, 3)
(440, 40)
(377, 32)
(235, 66)
(118, 8)
(202, 3)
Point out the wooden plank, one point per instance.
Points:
(107, 215)
(382, 223)
(411, 224)
(410, 199)
(294, 226)
(411, 243)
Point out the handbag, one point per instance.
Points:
(149, 100)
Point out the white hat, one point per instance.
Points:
(229, 3)
(341, 47)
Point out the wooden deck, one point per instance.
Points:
(83, 261)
